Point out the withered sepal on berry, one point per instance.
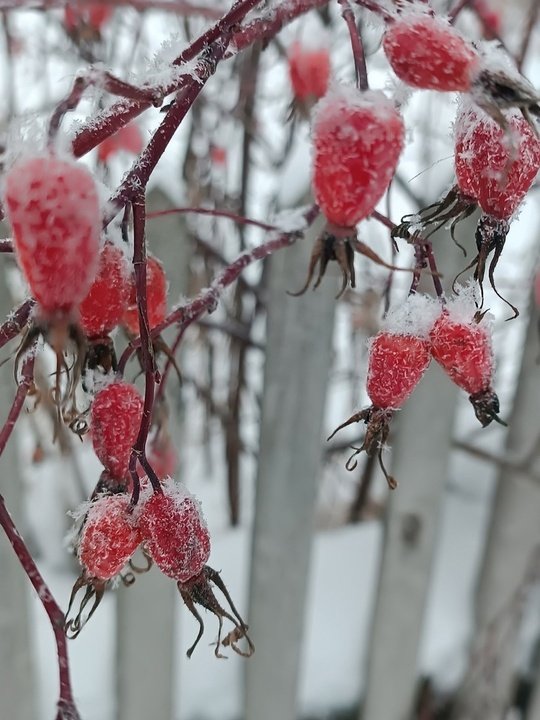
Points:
(377, 421)
(486, 407)
(327, 248)
(198, 591)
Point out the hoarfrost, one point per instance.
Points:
(414, 317)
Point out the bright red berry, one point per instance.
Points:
(463, 350)
(358, 138)
(491, 18)
(309, 71)
(461, 344)
(104, 306)
(396, 365)
(156, 298)
(494, 168)
(53, 208)
(115, 418)
(426, 52)
(128, 138)
(93, 16)
(109, 537)
(175, 533)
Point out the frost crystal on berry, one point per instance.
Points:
(115, 418)
(425, 51)
(53, 207)
(175, 533)
(357, 140)
(109, 537)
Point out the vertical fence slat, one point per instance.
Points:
(298, 359)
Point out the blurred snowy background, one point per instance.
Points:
(422, 603)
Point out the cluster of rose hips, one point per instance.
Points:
(358, 137)
(455, 334)
(84, 288)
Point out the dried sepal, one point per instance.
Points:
(198, 591)
(377, 423)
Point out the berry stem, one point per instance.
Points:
(121, 113)
(147, 351)
(207, 301)
(356, 45)
(143, 167)
(239, 219)
(16, 321)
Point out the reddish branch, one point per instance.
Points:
(16, 321)
(207, 301)
(181, 7)
(356, 45)
(66, 706)
(120, 113)
(212, 213)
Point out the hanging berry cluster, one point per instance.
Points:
(454, 334)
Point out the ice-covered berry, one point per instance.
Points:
(115, 418)
(128, 139)
(109, 537)
(104, 306)
(309, 71)
(53, 207)
(425, 51)
(357, 141)
(175, 533)
(494, 168)
(461, 344)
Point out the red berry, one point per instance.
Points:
(488, 168)
(53, 208)
(128, 139)
(104, 306)
(109, 537)
(156, 297)
(358, 138)
(115, 418)
(94, 16)
(463, 350)
(174, 532)
(491, 19)
(218, 155)
(396, 365)
(427, 52)
(309, 71)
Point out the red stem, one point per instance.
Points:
(123, 112)
(213, 213)
(55, 614)
(207, 301)
(356, 45)
(16, 321)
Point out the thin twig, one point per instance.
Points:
(356, 45)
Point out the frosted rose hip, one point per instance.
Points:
(426, 52)
(485, 169)
(174, 532)
(115, 418)
(104, 306)
(357, 140)
(464, 351)
(109, 537)
(309, 71)
(396, 365)
(53, 208)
